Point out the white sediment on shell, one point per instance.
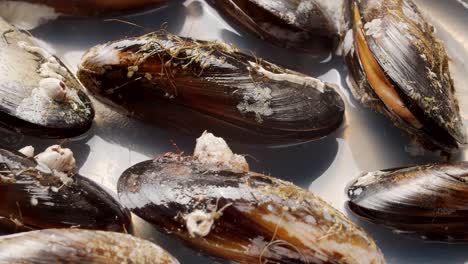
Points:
(214, 150)
(348, 42)
(57, 158)
(374, 28)
(257, 101)
(28, 151)
(25, 15)
(306, 81)
(199, 223)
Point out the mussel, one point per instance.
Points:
(214, 203)
(401, 69)
(429, 201)
(82, 7)
(38, 95)
(289, 23)
(80, 246)
(44, 192)
(196, 85)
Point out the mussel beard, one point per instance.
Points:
(401, 69)
(194, 86)
(429, 202)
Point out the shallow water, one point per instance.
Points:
(366, 141)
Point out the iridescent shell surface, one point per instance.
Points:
(430, 201)
(38, 95)
(80, 246)
(195, 86)
(35, 197)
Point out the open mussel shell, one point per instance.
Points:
(195, 86)
(38, 95)
(241, 216)
(429, 201)
(34, 197)
(401, 69)
(300, 24)
(94, 7)
(80, 246)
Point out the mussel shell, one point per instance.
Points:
(197, 85)
(262, 218)
(290, 23)
(429, 201)
(96, 7)
(24, 108)
(33, 198)
(416, 64)
(80, 246)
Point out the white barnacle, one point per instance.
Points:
(34, 201)
(131, 71)
(57, 158)
(54, 89)
(50, 67)
(199, 223)
(214, 150)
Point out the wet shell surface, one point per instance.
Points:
(85, 7)
(38, 95)
(430, 201)
(401, 69)
(80, 246)
(35, 196)
(215, 204)
(196, 85)
(290, 23)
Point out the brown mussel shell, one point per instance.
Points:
(257, 218)
(429, 201)
(80, 246)
(415, 64)
(39, 96)
(97, 7)
(196, 85)
(33, 197)
(289, 23)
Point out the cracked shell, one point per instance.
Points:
(240, 215)
(80, 246)
(34, 197)
(194, 86)
(430, 201)
(39, 96)
(289, 23)
(401, 69)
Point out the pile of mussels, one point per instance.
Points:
(211, 200)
